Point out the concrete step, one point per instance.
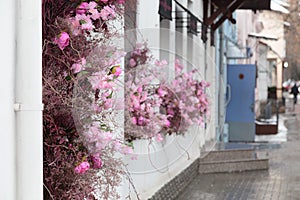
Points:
(228, 154)
(233, 165)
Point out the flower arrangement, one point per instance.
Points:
(81, 70)
(156, 106)
(82, 77)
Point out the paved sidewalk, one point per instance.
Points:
(281, 182)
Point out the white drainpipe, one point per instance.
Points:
(28, 101)
(7, 115)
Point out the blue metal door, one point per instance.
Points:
(240, 109)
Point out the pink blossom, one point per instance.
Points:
(161, 63)
(77, 67)
(87, 26)
(167, 123)
(85, 22)
(140, 89)
(161, 92)
(132, 62)
(159, 138)
(134, 120)
(178, 66)
(62, 40)
(97, 162)
(126, 150)
(96, 108)
(120, 1)
(75, 26)
(117, 145)
(82, 168)
(107, 13)
(116, 70)
(92, 5)
(108, 103)
(95, 14)
(141, 120)
(170, 111)
(104, 1)
(82, 8)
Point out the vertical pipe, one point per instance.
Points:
(221, 91)
(29, 101)
(7, 116)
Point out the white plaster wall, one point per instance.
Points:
(246, 23)
(263, 71)
(7, 117)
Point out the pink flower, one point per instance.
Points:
(167, 123)
(178, 66)
(92, 5)
(161, 92)
(97, 162)
(159, 138)
(77, 67)
(170, 111)
(85, 22)
(82, 8)
(107, 13)
(87, 26)
(141, 120)
(104, 1)
(117, 145)
(140, 89)
(95, 14)
(161, 63)
(126, 150)
(108, 103)
(75, 26)
(82, 168)
(134, 120)
(132, 62)
(116, 70)
(120, 1)
(62, 40)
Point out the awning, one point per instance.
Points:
(256, 5)
(223, 9)
(279, 6)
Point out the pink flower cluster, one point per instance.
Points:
(82, 168)
(184, 100)
(88, 13)
(139, 55)
(173, 107)
(62, 40)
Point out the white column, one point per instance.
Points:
(7, 122)
(29, 96)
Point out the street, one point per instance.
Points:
(281, 181)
